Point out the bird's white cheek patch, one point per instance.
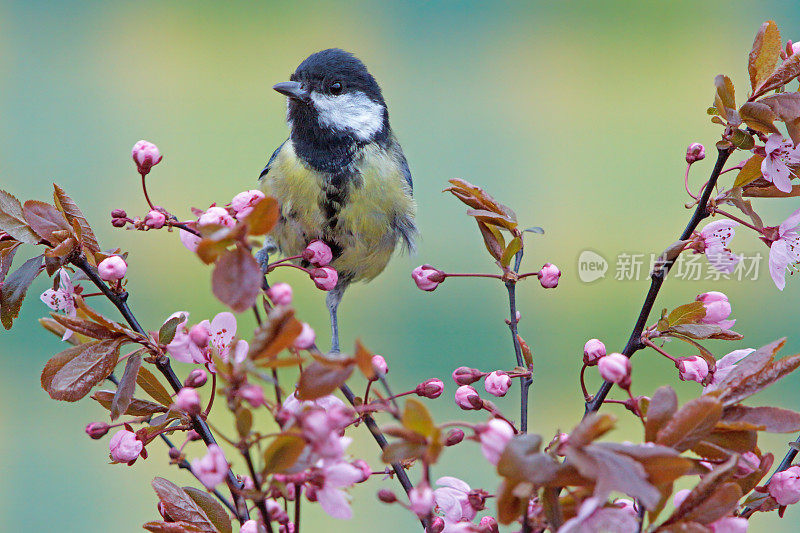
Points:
(353, 112)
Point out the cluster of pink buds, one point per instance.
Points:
(496, 382)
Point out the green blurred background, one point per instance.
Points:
(576, 114)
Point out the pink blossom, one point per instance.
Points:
(200, 335)
(362, 465)
(62, 299)
(430, 388)
(318, 253)
(616, 368)
(280, 294)
(795, 48)
(747, 464)
(718, 309)
(182, 348)
(306, 339)
(333, 499)
(594, 516)
(593, 350)
(781, 153)
(695, 152)
(468, 399)
(421, 500)
(785, 486)
(325, 278)
(222, 329)
(212, 469)
(452, 499)
(145, 155)
(785, 250)
(251, 526)
(188, 400)
(112, 268)
(427, 277)
(125, 447)
(729, 524)
(189, 240)
(494, 437)
(497, 383)
(216, 216)
(155, 219)
(693, 368)
(725, 366)
(244, 202)
(714, 238)
(252, 394)
(548, 276)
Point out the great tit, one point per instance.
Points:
(341, 176)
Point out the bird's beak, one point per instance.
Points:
(293, 90)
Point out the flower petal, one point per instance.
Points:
(790, 223)
(335, 503)
(778, 261)
(453, 482)
(222, 328)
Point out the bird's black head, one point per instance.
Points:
(334, 100)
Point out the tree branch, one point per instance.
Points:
(657, 278)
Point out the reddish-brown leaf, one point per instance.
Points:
(704, 489)
(750, 172)
(691, 423)
(13, 289)
(686, 314)
(492, 239)
(12, 221)
(762, 379)
(663, 405)
(7, 251)
(71, 374)
(773, 419)
(750, 365)
(85, 327)
(45, 220)
(263, 217)
(74, 215)
(765, 53)
(171, 527)
(363, 359)
(280, 333)
(179, 506)
(782, 75)
(213, 509)
(135, 408)
(150, 384)
(320, 379)
(236, 280)
(758, 116)
(127, 385)
(593, 426)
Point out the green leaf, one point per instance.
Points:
(765, 53)
(127, 385)
(167, 331)
(511, 250)
(750, 172)
(13, 290)
(417, 418)
(71, 374)
(282, 453)
(150, 384)
(12, 220)
(742, 140)
(686, 314)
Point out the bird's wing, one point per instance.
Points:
(272, 158)
(405, 170)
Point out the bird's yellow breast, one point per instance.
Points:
(377, 202)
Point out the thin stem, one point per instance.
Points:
(163, 364)
(586, 396)
(737, 219)
(657, 278)
(686, 181)
(213, 393)
(650, 344)
(298, 489)
(465, 275)
(260, 503)
(146, 196)
(524, 382)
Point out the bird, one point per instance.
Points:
(341, 176)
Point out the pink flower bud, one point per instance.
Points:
(125, 447)
(548, 276)
(252, 394)
(188, 400)
(386, 496)
(112, 268)
(427, 277)
(119, 222)
(97, 430)
(318, 253)
(118, 213)
(216, 216)
(747, 464)
(366, 471)
(494, 437)
(430, 388)
(244, 202)
(563, 440)
(196, 378)
(199, 335)
(693, 368)
(468, 399)
(325, 278)
(280, 294)
(785, 486)
(379, 365)
(695, 152)
(155, 219)
(593, 350)
(145, 155)
(616, 368)
(251, 526)
(464, 375)
(489, 525)
(497, 383)
(718, 309)
(212, 469)
(437, 525)
(306, 339)
(421, 500)
(454, 436)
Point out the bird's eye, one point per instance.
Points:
(336, 88)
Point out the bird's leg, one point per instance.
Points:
(332, 300)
